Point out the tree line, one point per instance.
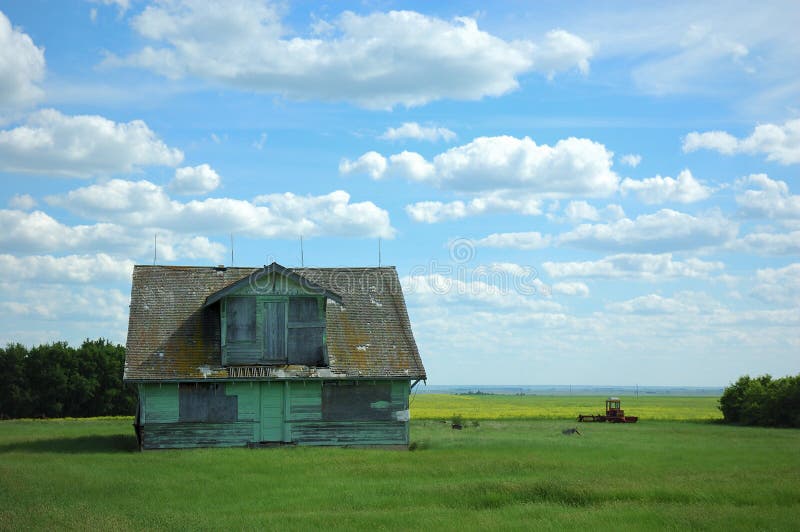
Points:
(56, 380)
(762, 401)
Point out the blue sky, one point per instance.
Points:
(581, 192)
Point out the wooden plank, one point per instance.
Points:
(275, 331)
(186, 435)
(160, 403)
(272, 407)
(241, 319)
(349, 433)
(305, 401)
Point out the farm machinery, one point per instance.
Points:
(614, 413)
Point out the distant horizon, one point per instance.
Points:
(566, 389)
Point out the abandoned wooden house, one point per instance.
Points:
(244, 356)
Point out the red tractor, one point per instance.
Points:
(614, 414)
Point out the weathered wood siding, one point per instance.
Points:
(308, 423)
(273, 403)
(305, 412)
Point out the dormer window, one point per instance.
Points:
(273, 323)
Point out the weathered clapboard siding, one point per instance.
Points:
(160, 403)
(305, 401)
(310, 429)
(248, 394)
(277, 411)
(273, 401)
(183, 435)
(350, 433)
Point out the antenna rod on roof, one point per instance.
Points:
(302, 259)
(155, 248)
(379, 252)
(231, 249)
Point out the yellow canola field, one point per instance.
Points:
(478, 407)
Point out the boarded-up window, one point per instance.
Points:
(206, 403)
(275, 331)
(357, 401)
(306, 331)
(303, 309)
(241, 319)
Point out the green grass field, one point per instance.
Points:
(509, 474)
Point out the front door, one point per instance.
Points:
(272, 411)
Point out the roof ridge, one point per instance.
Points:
(182, 267)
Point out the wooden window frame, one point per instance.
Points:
(261, 325)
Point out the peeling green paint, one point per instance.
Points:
(270, 411)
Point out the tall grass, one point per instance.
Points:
(518, 474)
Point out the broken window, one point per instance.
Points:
(241, 319)
(206, 403)
(356, 401)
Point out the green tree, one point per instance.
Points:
(762, 401)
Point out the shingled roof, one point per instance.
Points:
(174, 336)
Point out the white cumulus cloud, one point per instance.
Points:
(71, 268)
(572, 166)
(412, 130)
(522, 240)
(574, 288)
(377, 60)
(653, 190)
(145, 204)
(644, 266)
(495, 202)
(778, 285)
(580, 210)
(371, 163)
(769, 199)
(23, 202)
(764, 243)
(780, 143)
(665, 230)
(22, 68)
(38, 232)
(560, 51)
(52, 143)
(653, 304)
(631, 160)
(194, 180)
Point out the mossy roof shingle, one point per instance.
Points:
(173, 336)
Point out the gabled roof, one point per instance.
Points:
(276, 269)
(174, 329)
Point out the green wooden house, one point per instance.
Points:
(245, 356)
